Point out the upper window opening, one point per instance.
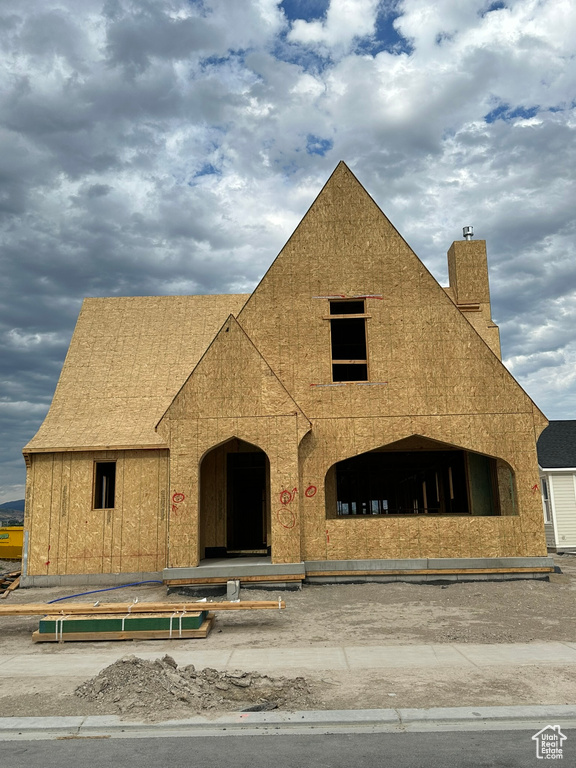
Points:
(104, 484)
(348, 338)
(346, 307)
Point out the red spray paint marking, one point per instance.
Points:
(535, 488)
(327, 536)
(286, 518)
(310, 491)
(177, 498)
(286, 497)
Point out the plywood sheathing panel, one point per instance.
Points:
(419, 342)
(39, 516)
(127, 359)
(232, 393)
(68, 536)
(437, 376)
(513, 535)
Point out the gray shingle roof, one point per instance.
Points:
(557, 445)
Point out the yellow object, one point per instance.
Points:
(11, 538)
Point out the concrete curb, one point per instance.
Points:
(450, 718)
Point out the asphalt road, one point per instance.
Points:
(478, 749)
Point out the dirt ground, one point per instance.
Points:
(348, 614)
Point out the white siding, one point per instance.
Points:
(549, 530)
(564, 497)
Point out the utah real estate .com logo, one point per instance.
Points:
(549, 743)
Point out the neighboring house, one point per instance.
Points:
(350, 417)
(557, 462)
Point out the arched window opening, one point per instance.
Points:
(434, 479)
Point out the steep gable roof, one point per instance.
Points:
(127, 359)
(232, 380)
(557, 445)
(424, 353)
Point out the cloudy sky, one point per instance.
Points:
(171, 147)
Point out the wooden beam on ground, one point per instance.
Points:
(70, 609)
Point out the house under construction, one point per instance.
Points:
(350, 419)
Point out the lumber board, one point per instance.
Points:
(164, 634)
(43, 609)
(15, 584)
(9, 575)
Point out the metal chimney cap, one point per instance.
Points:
(468, 232)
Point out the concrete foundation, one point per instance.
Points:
(259, 572)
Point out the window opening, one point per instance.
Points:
(402, 483)
(348, 341)
(347, 307)
(104, 484)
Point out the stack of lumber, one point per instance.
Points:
(144, 626)
(128, 621)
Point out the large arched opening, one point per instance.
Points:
(419, 476)
(234, 501)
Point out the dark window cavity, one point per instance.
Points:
(104, 484)
(348, 339)
(347, 307)
(406, 483)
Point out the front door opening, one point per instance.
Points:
(234, 501)
(246, 503)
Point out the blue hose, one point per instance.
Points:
(107, 589)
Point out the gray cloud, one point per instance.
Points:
(171, 147)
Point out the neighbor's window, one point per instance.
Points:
(104, 484)
(546, 501)
(348, 337)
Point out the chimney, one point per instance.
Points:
(469, 287)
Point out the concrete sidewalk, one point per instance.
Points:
(305, 721)
(70, 660)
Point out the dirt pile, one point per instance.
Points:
(137, 686)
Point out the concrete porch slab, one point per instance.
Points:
(235, 568)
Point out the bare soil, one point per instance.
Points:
(348, 614)
(138, 686)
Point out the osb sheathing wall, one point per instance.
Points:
(419, 536)
(232, 393)
(68, 536)
(430, 373)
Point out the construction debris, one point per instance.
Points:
(135, 686)
(8, 583)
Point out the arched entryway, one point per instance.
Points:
(234, 501)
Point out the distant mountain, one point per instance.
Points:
(12, 512)
(13, 505)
